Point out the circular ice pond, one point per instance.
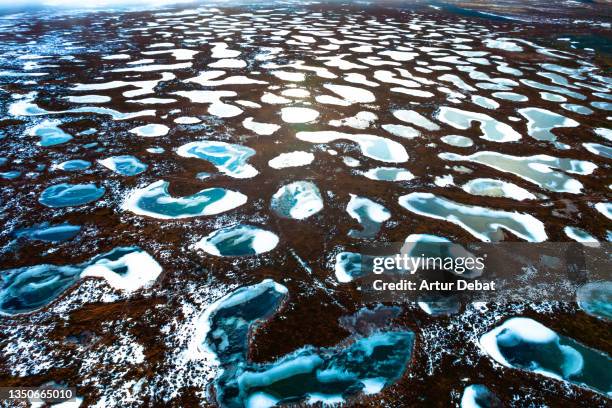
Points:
(67, 195)
(239, 240)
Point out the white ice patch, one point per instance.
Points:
(265, 129)
(141, 271)
(362, 120)
(492, 129)
(298, 115)
(151, 130)
(155, 201)
(291, 159)
(348, 95)
(298, 200)
(375, 147)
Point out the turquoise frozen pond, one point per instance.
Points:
(69, 195)
(326, 375)
(528, 345)
(238, 240)
(125, 165)
(297, 200)
(26, 289)
(155, 201)
(48, 232)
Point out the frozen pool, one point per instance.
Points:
(125, 165)
(238, 240)
(526, 344)
(68, 195)
(369, 214)
(595, 298)
(297, 200)
(48, 232)
(309, 374)
(155, 201)
(375, 147)
(49, 133)
(535, 169)
(492, 129)
(230, 159)
(483, 223)
(29, 288)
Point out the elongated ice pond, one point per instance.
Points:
(309, 374)
(29, 288)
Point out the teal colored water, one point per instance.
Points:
(48, 232)
(308, 374)
(74, 165)
(68, 195)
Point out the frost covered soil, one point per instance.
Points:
(234, 145)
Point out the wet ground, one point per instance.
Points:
(228, 145)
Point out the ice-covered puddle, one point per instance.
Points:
(492, 129)
(497, 188)
(483, 223)
(297, 200)
(230, 159)
(26, 289)
(49, 133)
(595, 298)
(155, 201)
(388, 174)
(526, 344)
(369, 214)
(309, 375)
(291, 159)
(535, 169)
(238, 240)
(48, 232)
(479, 396)
(294, 114)
(347, 266)
(125, 165)
(151, 130)
(375, 147)
(70, 195)
(540, 122)
(73, 165)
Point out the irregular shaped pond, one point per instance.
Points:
(298, 200)
(369, 214)
(375, 147)
(528, 345)
(595, 298)
(23, 290)
(49, 133)
(535, 169)
(492, 129)
(230, 159)
(124, 165)
(239, 240)
(483, 223)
